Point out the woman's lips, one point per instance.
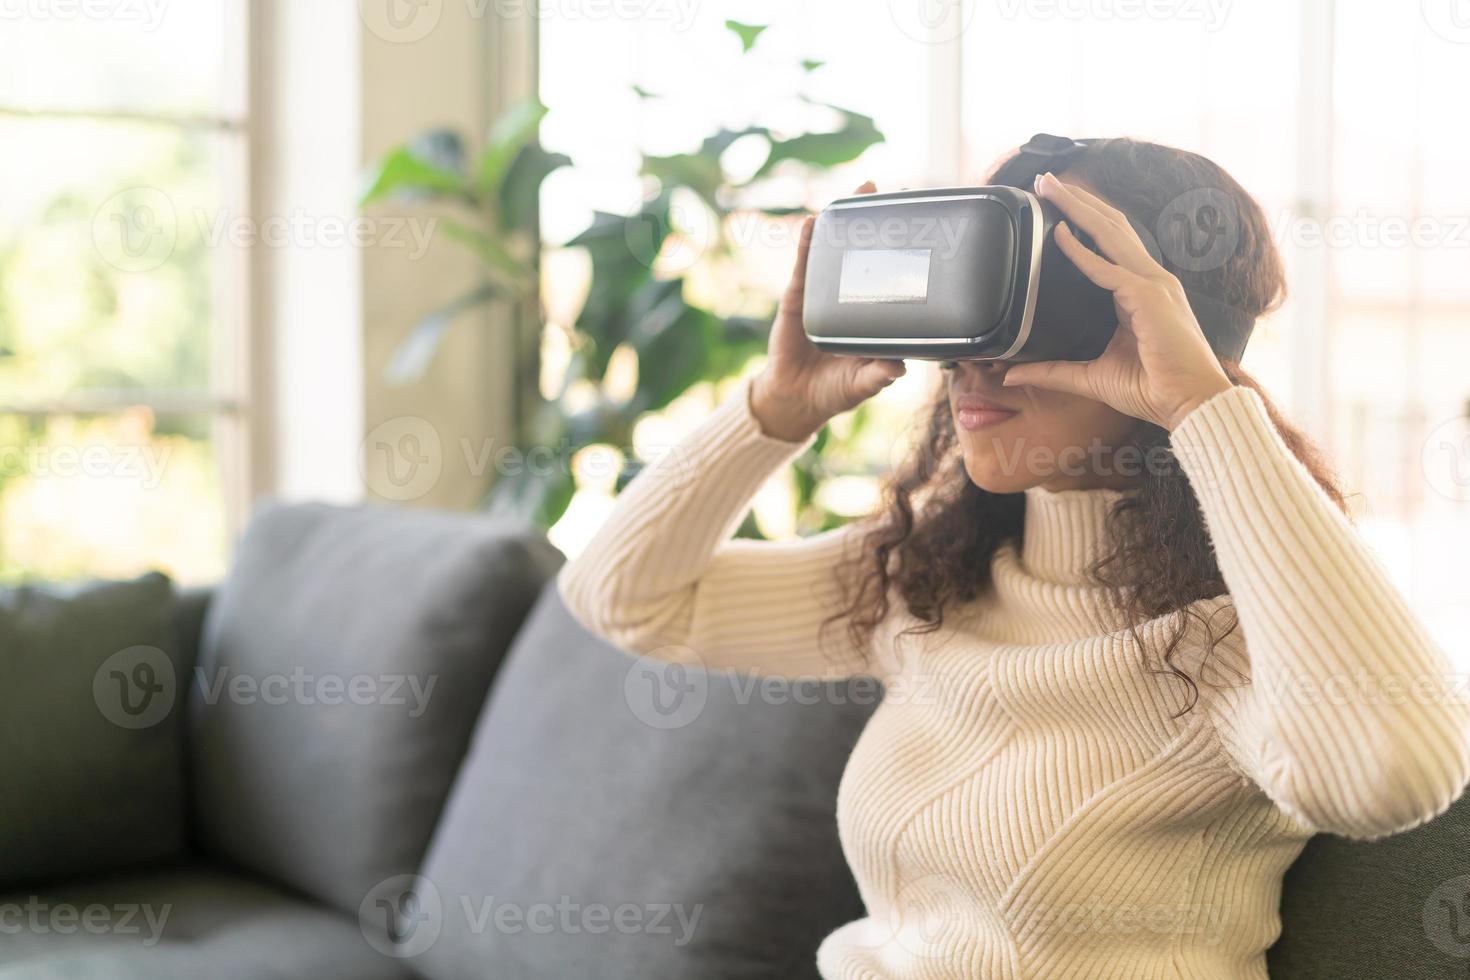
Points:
(978, 412)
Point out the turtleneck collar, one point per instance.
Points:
(1065, 531)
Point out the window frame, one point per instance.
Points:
(231, 400)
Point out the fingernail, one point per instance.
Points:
(1006, 379)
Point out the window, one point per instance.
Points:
(122, 291)
(1343, 119)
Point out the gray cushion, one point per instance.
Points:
(345, 660)
(184, 924)
(1398, 907)
(581, 802)
(91, 778)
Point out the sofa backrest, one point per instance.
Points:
(618, 817)
(343, 663)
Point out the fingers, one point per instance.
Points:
(1065, 376)
(1096, 268)
(872, 376)
(1109, 228)
(797, 288)
(1097, 203)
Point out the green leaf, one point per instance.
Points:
(491, 251)
(696, 171)
(533, 494)
(748, 33)
(741, 339)
(441, 148)
(809, 66)
(620, 248)
(520, 191)
(604, 228)
(721, 141)
(403, 173)
(603, 421)
(673, 353)
(825, 150)
(512, 132)
(643, 93)
(700, 171)
(644, 232)
(411, 358)
(749, 528)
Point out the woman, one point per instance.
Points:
(1134, 653)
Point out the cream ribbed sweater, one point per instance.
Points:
(1021, 805)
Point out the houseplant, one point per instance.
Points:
(634, 301)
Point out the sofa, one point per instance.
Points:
(381, 748)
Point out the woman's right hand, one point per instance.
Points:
(801, 387)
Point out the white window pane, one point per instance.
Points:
(110, 496)
(116, 255)
(138, 55)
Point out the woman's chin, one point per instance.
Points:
(988, 475)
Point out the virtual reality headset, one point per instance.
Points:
(970, 273)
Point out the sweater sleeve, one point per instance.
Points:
(1351, 721)
(664, 578)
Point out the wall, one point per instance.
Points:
(336, 84)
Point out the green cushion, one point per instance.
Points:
(91, 779)
(1397, 907)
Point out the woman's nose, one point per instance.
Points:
(987, 370)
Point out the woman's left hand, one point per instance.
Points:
(1158, 365)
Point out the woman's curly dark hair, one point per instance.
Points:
(937, 554)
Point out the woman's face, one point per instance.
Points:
(1019, 437)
